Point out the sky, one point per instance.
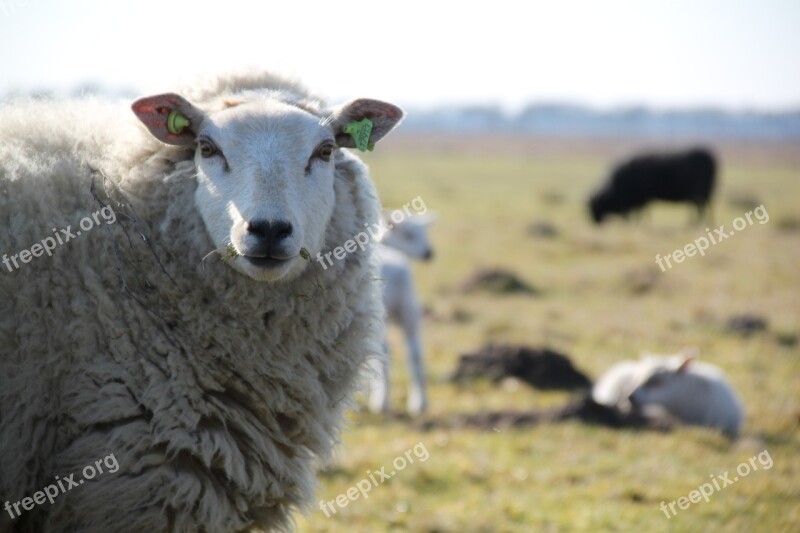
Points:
(667, 54)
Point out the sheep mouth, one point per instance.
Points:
(266, 262)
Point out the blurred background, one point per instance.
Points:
(516, 114)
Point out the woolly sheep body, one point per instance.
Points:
(216, 393)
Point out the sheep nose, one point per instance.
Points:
(269, 233)
(428, 255)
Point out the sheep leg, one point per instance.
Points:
(379, 381)
(417, 395)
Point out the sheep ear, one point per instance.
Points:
(687, 360)
(383, 116)
(170, 118)
(686, 356)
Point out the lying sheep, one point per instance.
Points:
(677, 387)
(192, 338)
(399, 243)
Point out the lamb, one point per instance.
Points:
(678, 387)
(399, 243)
(679, 177)
(218, 382)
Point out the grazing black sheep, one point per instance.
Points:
(678, 177)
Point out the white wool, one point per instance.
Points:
(616, 384)
(217, 393)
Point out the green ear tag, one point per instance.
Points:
(360, 132)
(176, 122)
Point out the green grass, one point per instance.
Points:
(573, 477)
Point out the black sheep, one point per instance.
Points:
(678, 177)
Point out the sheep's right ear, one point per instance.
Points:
(170, 117)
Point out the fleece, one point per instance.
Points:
(217, 394)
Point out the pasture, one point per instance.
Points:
(600, 297)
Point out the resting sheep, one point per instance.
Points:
(676, 387)
(679, 177)
(399, 243)
(217, 381)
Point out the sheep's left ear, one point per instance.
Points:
(170, 117)
(383, 116)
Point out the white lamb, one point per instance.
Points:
(408, 239)
(678, 387)
(217, 384)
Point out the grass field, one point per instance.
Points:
(601, 298)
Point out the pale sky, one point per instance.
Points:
(677, 53)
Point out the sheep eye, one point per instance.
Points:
(324, 151)
(207, 148)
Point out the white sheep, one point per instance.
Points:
(676, 387)
(218, 384)
(399, 242)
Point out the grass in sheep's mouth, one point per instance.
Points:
(229, 253)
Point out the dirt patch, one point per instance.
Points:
(542, 229)
(640, 280)
(789, 224)
(583, 409)
(746, 324)
(744, 201)
(543, 368)
(496, 281)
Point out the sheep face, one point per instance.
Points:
(604, 203)
(410, 236)
(664, 382)
(265, 172)
(596, 208)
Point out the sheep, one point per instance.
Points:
(399, 243)
(679, 177)
(193, 338)
(676, 387)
